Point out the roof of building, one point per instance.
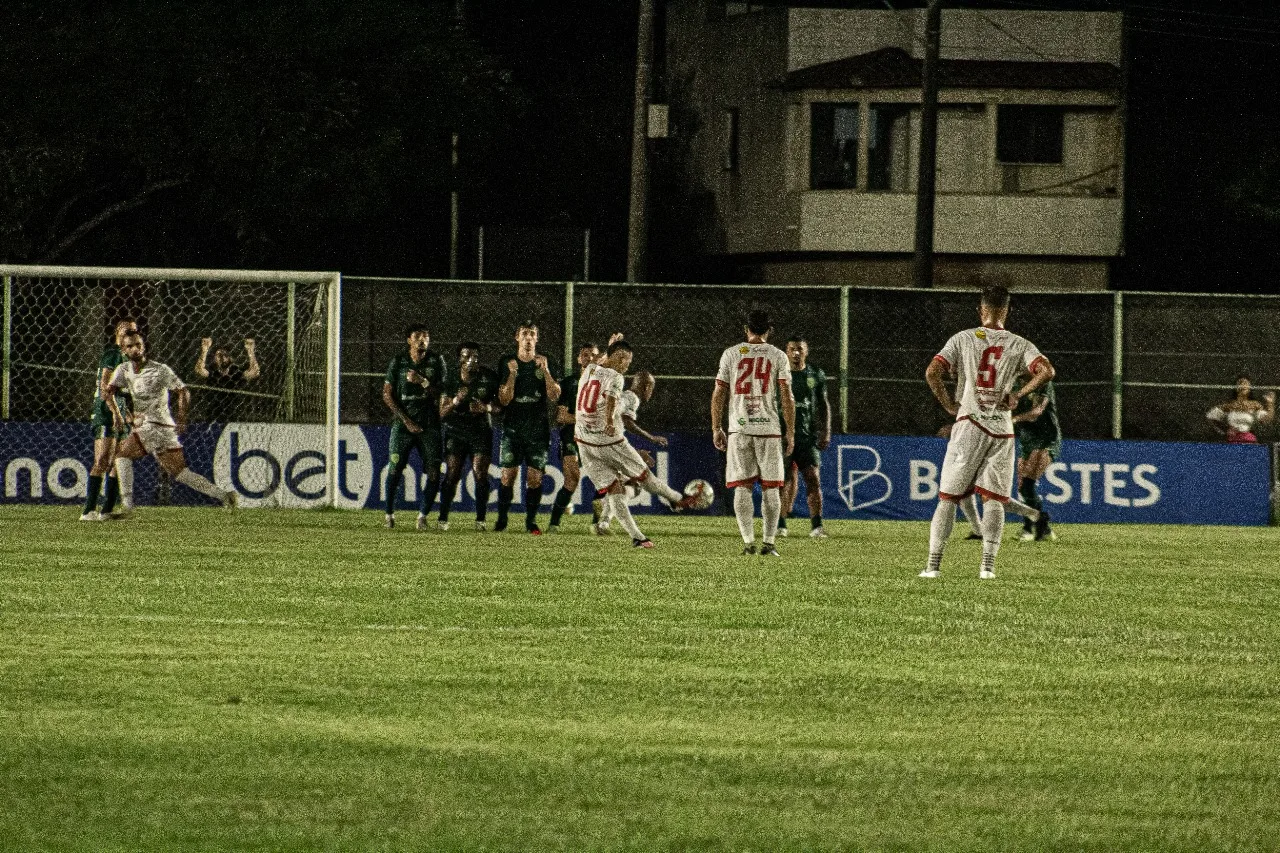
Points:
(894, 68)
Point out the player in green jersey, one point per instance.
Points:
(412, 391)
(588, 354)
(813, 435)
(1035, 423)
(106, 438)
(528, 386)
(470, 398)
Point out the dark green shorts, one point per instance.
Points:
(804, 455)
(464, 445)
(568, 447)
(100, 423)
(1030, 444)
(427, 443)
(515, 449)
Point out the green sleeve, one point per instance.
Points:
(393, 372)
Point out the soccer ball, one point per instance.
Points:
(703, 490)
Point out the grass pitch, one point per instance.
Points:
(189, 680)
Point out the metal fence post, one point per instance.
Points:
(6, 365)
(290, 359)
(333, 365)
(844, 359)
(568, 327)
(1117, 366)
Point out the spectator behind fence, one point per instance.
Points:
(223, 401)
(1238, 416)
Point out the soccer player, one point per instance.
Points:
(1035, 422)
(755, 381)
(643, 384)
(528, 383)
(588, 354)
(813, 435)
(106, 438)
(988, 361)
(470, 398)
(155, 429)
(412, 391)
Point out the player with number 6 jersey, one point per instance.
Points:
(987, 361)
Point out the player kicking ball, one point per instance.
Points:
(155, 429)
(988, 361)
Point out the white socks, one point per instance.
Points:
(944, 518)
(969, 506)
(744, 510)
(771, 509)
(124, 471)
(992, 530)
(187, 477)
(654, 486)
(622, 513)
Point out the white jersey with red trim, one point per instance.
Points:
(987, 363)
(150, 389)
(751, 372)
(597, 384)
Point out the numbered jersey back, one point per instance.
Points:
(751, 372)
(595, 386)
(988, 364)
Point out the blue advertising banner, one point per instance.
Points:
(864, 477)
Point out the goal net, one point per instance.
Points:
(258, 351)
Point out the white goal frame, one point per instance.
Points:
(333, 330)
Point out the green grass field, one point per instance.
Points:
(190, 680)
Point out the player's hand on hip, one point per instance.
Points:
(952, 408)
(719, 439)
(1009, 402)
(610, 429)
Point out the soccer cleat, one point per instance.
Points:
(120, 514)
(986, 575)
(442, 526)
(534, 531)
(230, 500)
(977, 537)
(686, 502)
(1042, 528)
(500, 525)
(1026, 536)
(422, 523)
(601, 528)
(930, 573)
(782, 531)
(481, 527)
(817, 533)
(768, 550)
(92, 515)
(641, 543)
(749, 551)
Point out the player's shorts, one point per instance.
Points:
(568, 442)
(427, 443)
(804, 455)
(464, 444)
(976, 461)
(609, 463)
(1028, 444)
(157, 438)
(100, 423)
(515, 449)
(754, 459)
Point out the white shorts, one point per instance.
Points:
(157, 438)
(610, 463)
(976, 461)
(754, 459)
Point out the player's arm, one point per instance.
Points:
(1217, 418)
(564, 417)
(201, 369)
(1041, 402)
(788, 415)
(182, 401)
(610, 406)
(254, 370)
(553, 387)
(450, 403)
(633, 427)
(1041, 372)
(390, 399)
(935, 374)
(113, 385)
(719, 399)
(1268, 414)
(824, 403)
(507, 390)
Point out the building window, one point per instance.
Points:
(729, 145)
(1029, 134)
(888, 147)
(833, 146)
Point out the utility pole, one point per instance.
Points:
(927, 177)
(637, 220)
(459, 20)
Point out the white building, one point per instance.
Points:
(795, 134)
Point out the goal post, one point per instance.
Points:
(276, 334)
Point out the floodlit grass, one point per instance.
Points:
(190, 680)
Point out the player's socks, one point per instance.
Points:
(448, 491)
(557, 510)
(771, 509)
(393, 488)
(969, 506)
(744, 511)
(782, 523)
(429, 493)
(505, 495)
(944, 519)
(482, 498)
(622, 512)
(124, 473)
(112, 495)
(91, 499)
(1027, 491)
(191, 479)
(992, 530)
(815, 521)
(532, 501)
